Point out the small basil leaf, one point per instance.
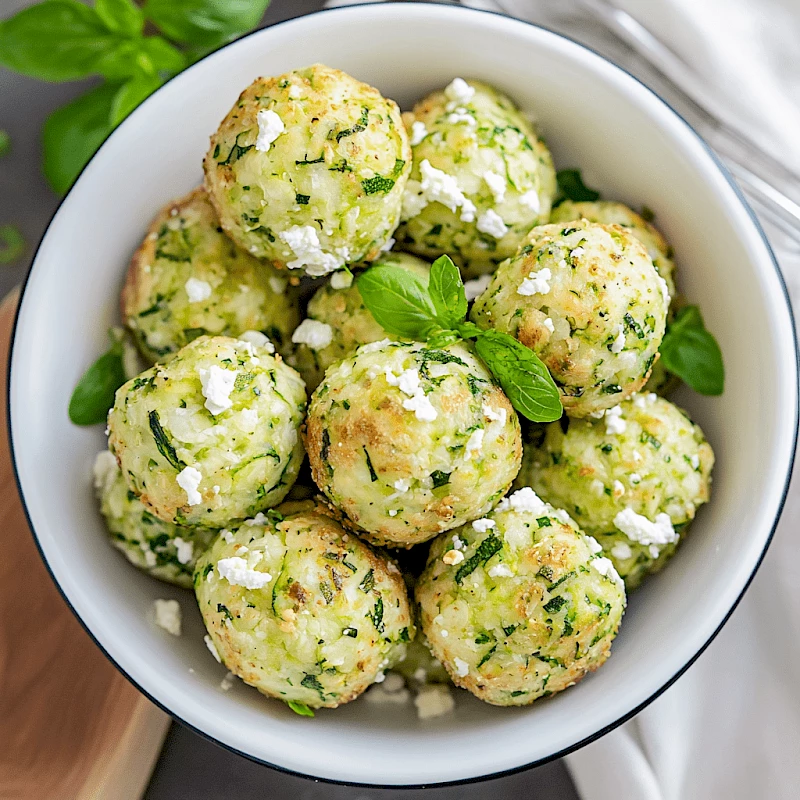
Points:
(573, 188)
(94, 394)
(121, 16)
(152, 55)
(446, 290)
(468, 330)
(12, 244)
(300, 708)
(523, 376)
(692, 353)
(442, 339)
(399, 301)
(131, 93)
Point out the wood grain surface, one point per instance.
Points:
(71, 727)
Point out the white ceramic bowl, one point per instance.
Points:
(629, 143)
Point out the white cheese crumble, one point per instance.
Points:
(635, 478)
(278, 285)
(621, 551)
(413, 200)
(537, 283)
(418, 132)
(491, 223)
(183, 550)
(458, 92)
(531, 200)
(458, 544)
(227, 536)
(594, 545)
(606, 568)
(695, 461)
(548, 323)
(664, 290)
(270, 127)
(453, 557)
(577, 252)
(462, 668)
(477, 286)
(167, 615)
(462, 115)
(618, 345)
(618, 489)
(227, 682)
(387, 245)
(217, 386)
(197, 290)
(343, 279)
(408, 382)
(500, 571)
(483, 525)
(189, 479)
(392, 690)
(421, 406)
(105, 470)
(402, 485)
(495, 415)
(524, 499)
(211, 648)
(640, 529)
(434, 700)
(474, 443)
(373, 347)
(257, 339)
(615, 424)
(314, 334)
(303, 241)
(439, 187)
(497, 185)
(236, 571)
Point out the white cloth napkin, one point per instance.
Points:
(729, 729)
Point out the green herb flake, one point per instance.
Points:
(377, 615)
(302, 199)
(163, 443)
(555, 604)
(351, 632)
(372, 474)
(485, 550)
(300, 708)
(377, 185)
(440, 478)
(368, 582)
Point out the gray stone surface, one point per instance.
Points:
(191, 768)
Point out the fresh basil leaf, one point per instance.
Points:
(300, 708)
(692, 353)
(399, 301)
(442, 339)
(58, 40)
(207, 23)
(152, 55)
(121, 16)
(94, 394)
(73, 133)
(12, 244)
(523, 376)
(468, 330)
(446, 291)
(131, 93)
(5, 143)
(573, 188)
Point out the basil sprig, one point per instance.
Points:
(405, 305)
(692, 353)
(94, 394)
(571, 187)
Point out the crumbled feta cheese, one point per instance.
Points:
(495, 415)
(562, 515)
(548, 323)
(304, 242)
(594, 545)
(257, 339)
(500, 571)
(197, 290)
(497, 185)
(536, 283)
(618, 345)
(227, 682)
(314, 334)
(167, 615)
(418, 132)
(577, 252)
(278, 285)
(413, 200)
(664, 290)
(621, 551)
(526, 499)
(453, 557)
(615, 424)
(695, 461)
(462, 668)
(433, 700)
(618, 489)
(531, 200)
(638, 400)
(635, 478)
(491, 223)
(640, 529)
(189, 479)
(402, 485)
(343, 279)
(387, 245)
(444, 634)
(421, 406)
(393, 512)
(407, 382)
(105, 470)
(483, 525)
(227, 536)
(217, 386)
(237, 572)
(606, 568)
(477, 286)
(270, 127)
(373, 347)
(458, 544)
(183, 550)
(211, 648)
(637, 456)
(295, 92)
(458, 92)
(392, 690)
(439, 187)
(149, 556)
(597, 487)
(474, 443)
(462, 115)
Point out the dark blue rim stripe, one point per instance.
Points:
(611, 726)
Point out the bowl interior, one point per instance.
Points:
(592, 115)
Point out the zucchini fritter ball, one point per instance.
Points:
(587, 300)
(308, 170)
(348, 323)
(520, 604)
(633, 480)
(302, 610)
(408, 441)
(210, 438)
(188, 279)
(482, 178)
(165, 551)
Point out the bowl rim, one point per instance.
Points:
(723, 170)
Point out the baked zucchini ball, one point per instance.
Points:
(302, 610)
(188, 279)
(608, 212)
(519, 604)
(482, 178)
(633, 479)
(587, 300)
(308, 170)
(340, 322)
(167, 552)
(211, 437)
(408, 441)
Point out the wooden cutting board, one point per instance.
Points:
(71, 727)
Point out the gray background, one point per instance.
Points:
(190, 768)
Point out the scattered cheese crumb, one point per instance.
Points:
(695, 461)
(184, 550)
(270, 127)
(621, 551)
(615, 424)
(524, 499)
(237, 572)
(462, 115)
(495, 415)
(458, 544)
(483, 525)
(548, 323)
(491, 223)
(402, 485)
(227, 682)
(477, 286)
(217, 386)
(314, 334)
(421, 406)
(537, 283)
(640, 529)
(474, 443)
(462, 668)
(439, 187)
(594, 545)
(453, 557)
(343, 279)
(227, 536)
(211, 648)
(434, 700)
(167, 615)
(189, 479)
(606, 568)
(458, 92)
(635, 478)
(309, 255)
(257, 339)
(392, 690)
(497, 185)
(618, 345)
(500, 571)
(618, 489)
(531, 200)
(197, 290)
(418, 132)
